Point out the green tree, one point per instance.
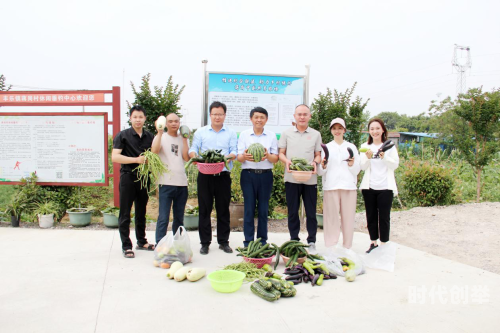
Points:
(472, 123)
(160, 101)
(331, 105)
(391, 119)
(3, 85)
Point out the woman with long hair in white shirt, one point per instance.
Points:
(379, 184)
(339, 186)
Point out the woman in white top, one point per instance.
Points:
(339, 186)
(378, 185)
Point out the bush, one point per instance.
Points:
(426, 184)
(278, 195)
(236, 192)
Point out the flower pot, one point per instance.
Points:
(14, 221)
(191, 222)
(46, 221)
(319, 218)
(237, 212)
(110, 220)
(79, 217)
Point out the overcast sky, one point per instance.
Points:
(399, 52)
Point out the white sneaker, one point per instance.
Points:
(312, 248)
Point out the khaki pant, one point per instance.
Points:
(335, 203)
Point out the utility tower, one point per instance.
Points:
(461, 62)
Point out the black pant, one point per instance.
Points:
(212, 187)
(131, 193)
(309, 194)
(378, 205)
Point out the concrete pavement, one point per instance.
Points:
(78, 281)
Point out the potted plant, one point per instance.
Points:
(80, 217)
(14, 210)
(191, 217)
(110, 217)
(46, 211)
(319, 210)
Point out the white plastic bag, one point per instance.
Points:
(333, 261)
(382, 257)
(174, 247)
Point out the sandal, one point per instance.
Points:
(129, 254)
(149, 247)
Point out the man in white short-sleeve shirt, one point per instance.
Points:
(257, 176)
(172, 148)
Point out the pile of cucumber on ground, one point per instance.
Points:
(272, 289)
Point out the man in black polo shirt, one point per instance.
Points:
(127, 146)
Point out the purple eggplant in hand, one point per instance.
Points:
(351, 154)
(327, 154)
(385, 147)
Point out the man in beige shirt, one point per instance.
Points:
(172, 148)
(304, 142)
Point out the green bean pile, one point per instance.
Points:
(251, 271)
(150, 171)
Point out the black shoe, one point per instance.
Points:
(372, 247)
(226, 248)
(204, 249)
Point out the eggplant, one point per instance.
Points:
(315, 279)
(351, 154)
(297, 281)
(327, 153)
(269, 274)
(326, 277)
(294, 277)
(389, 146)
(305, 278)
(293, 271)
(385, 147)
(332, 276)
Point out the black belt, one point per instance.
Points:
(259, 170)
(220, 174)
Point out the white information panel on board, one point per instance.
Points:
(59, 148)
(279, 95)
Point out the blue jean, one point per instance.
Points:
(175, 197)
(256, 190)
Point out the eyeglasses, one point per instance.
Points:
(218, 115)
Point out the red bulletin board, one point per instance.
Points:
(55, 145)
(71, 98)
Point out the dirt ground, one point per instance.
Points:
(466, 233)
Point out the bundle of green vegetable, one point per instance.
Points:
(255, 249)
(251, 270)
(272, 289)
(293, 250)
(149, 172)
(300, 164)
(209, 156)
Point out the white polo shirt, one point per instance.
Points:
(267, 139)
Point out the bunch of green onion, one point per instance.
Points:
(149, 172)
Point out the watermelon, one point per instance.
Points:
(257, 151)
